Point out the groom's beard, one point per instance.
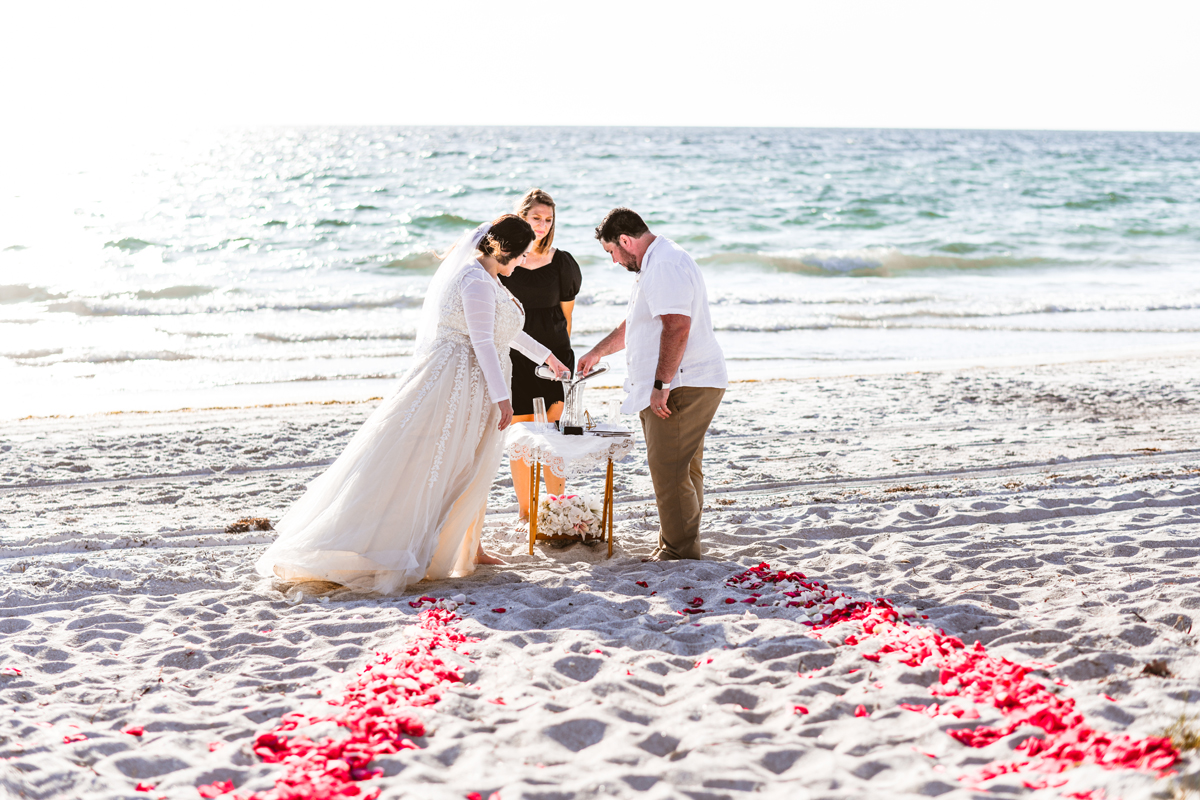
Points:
(627, 260)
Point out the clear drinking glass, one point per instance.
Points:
(612, 413)
(539, 412)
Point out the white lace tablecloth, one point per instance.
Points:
(565, 456)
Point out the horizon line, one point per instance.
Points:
(183, 128)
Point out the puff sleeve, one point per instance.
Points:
(569, 277)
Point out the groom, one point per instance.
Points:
(676, 371)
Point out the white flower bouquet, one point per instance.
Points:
(570, 515)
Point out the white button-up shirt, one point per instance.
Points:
(669, 283)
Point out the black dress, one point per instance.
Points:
(540, 292)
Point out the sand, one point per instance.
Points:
(1050, 512)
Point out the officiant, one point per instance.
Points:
(676, 371)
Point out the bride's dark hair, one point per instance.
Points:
(507, 238)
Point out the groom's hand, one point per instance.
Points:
(584, 365)
(658, 402)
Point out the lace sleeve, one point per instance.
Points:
(479, 305)
(531, 348)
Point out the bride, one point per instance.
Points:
(406, 499)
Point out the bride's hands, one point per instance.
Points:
(506, 414)
(560, 369)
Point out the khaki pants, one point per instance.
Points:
(675, 450)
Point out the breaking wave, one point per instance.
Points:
(33, 354)
(883, 262)
(22, 293)
(114, 308)
(124, 356)
(442, 222)
(175, 293)
(297, 338)
(130, 245)
(427, 260)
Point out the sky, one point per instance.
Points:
(1050, 64)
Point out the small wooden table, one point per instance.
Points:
(566, 456)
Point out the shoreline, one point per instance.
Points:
(927, 366)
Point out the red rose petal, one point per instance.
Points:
(979, 678)
(215, 789)
(376, 709)
(135, 730)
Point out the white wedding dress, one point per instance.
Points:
(407, 497)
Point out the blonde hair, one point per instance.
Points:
(536, 197)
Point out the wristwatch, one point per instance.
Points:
(658, 384)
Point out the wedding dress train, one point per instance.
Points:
(407, 497)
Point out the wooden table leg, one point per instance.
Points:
(608, 505)
(535, 478)
(604, 513)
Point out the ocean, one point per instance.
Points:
(287, 265)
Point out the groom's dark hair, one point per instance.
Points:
(507, 238)
(620, 222)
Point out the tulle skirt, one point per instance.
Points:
(407, 497)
